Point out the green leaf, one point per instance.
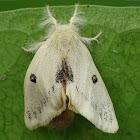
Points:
(117, 59)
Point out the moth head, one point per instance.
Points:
(75, 20)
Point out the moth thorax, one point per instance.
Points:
(64, 34)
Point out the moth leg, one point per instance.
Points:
(88, 40)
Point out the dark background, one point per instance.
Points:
(16, 4)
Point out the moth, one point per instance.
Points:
(62, 79)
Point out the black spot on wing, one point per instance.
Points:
(53, 88)
(28, 114)
(60, 76)
(33, 78)
(35, 114)
(94, 79)
(68, 71)
(64, 74)
(37, 107)
(77, 89)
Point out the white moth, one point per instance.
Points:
(63, 79)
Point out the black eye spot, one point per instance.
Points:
(94, 79)
(33, 78)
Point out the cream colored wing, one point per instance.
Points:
(87, 94)
(44, 96)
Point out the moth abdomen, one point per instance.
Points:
(64, 119)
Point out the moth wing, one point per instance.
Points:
(89, 99)
(44, 99)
